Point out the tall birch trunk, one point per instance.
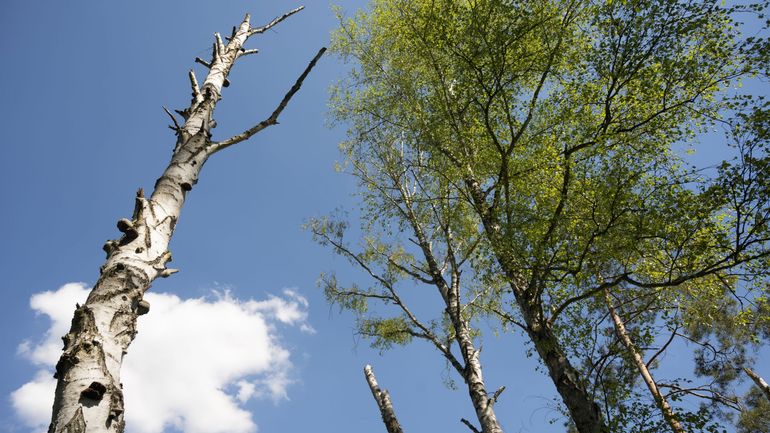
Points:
(660, 399)
(89, 396)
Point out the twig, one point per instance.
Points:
(176, 126)
(496, 395)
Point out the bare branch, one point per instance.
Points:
(703, 392)
(275, 21)
(203, 62)
(176, 126)
(247, 52)
(664, 347)
(273, 119)
(585, 295)
(219, 45)
(503, 315)
(496, 395)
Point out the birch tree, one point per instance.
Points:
(417, 235)
(89, 395)
(556, 124)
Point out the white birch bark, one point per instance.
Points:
(89, 395)
(382, 398)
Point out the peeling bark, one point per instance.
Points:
(89, 395)
(382, 398)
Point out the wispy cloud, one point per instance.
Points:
(193, 365)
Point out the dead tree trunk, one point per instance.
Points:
(88, 396)
(383, 402)
(660, 399)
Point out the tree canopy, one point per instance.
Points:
(528, 160)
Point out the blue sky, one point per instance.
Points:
(84, 83)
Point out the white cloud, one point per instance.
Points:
(193, 365)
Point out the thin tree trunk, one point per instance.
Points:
(450, 294)
(660, 399)
(382, 398)
(758, 381)
(89, 395)
(482, 403)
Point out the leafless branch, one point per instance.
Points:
(273, 119)
(176, 126)
(496, 395)
(275, 21)
(663, 348)
(218, 45)
(382, 399)
(758, 381)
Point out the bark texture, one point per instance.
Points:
(382, 399)
(89, 396)
(660, 399)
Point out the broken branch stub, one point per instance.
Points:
(382, 398)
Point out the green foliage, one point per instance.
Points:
(756, 417)
(386, 332)
(537, 142)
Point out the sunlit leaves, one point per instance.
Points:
(539, 139)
